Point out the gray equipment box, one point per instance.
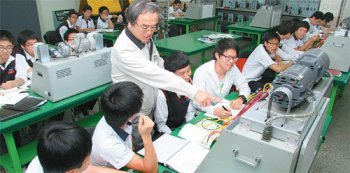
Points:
(337, 48)
(267, 17)
(64, 77)
(200, 11)
(293, 145)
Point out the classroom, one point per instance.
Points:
(173, 86)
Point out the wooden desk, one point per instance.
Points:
(187, 43)
(245, 28)
(16, 157)
(190, 22)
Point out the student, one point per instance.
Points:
(296, 44)
(172, 110)
(69, 23)
(13, 71)
(122, 18)
(112, 145)
(64, 147)
(324, 24)
(285, 31)
(26, 39)
(69, 35)
(85, 23)
(104, 21)
(314, 20)
(134, 58)
(263, 62)
(175, 11)
(218, 75)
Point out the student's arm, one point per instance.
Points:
(97, 169)
(150, 162)
(240, 81)
(129, 62)
(280, 66)
(110, 24)
(161, 114)
(278, 59)
(308, 44)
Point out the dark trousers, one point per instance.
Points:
(267, 77)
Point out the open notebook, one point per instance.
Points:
(185, 155)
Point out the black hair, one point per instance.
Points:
(225, 44)
(177, 2)
(63, 146)
(302, 24)
(71, 12)
(87, 7)
(317, 15)
(101, 9)
(328, 17)
(175, 61)
(120, 101)
(286, 27)
(6, 36)
(68, 32)
(270, 36)
(26, 35)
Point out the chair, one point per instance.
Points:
(240, 63)
(52, 37)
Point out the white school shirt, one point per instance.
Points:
(64, 29)
(161, 113)
(256, 64)
(171, 12)
(83, 24)
(21, 67)
(102, 24)
(35, 166)
(205, 79)
(291, 44)
(108, 148)
(314, 30)
(26, 65)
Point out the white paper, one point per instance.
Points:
(188, 159)
(166, 146)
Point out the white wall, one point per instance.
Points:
(333, 6)
(46, 7)
(346, 12)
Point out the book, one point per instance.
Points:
(179, 154)
(27, 104)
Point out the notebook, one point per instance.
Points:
(27, 104)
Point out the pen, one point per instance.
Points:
(224, 108)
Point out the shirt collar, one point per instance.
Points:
(69, 24)
(11, 58)
(28, 57)
(136, 41)
(121, 133)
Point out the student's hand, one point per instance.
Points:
(8, 85)
(315, 37)
(236, 104)
(222, 113)
(90, 29)
(145, 125)
(205, 99)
